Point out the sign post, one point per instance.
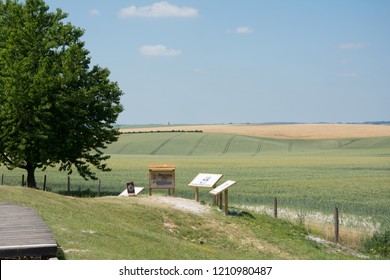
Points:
(223, 190)
(204, 180)
(162, 176)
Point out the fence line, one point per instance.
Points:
(336, 221)
(69, 186)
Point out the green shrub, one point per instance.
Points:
(379, 244)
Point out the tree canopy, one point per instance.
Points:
(55, 108)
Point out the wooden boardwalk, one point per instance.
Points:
(23, 233)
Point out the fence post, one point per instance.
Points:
(99, 185)
(275, 207)
(68, 185)
(22, 180)
(336, 225)
(44, 183)
(2, 179)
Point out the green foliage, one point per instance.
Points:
(379, 244)
(54, 107)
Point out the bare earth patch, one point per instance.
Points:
(284, 131)
(182, 204)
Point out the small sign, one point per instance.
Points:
(137, 190)
(205, 180)
(222, 187)
(221, 195)
(130, 187)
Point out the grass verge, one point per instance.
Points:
(127, 228)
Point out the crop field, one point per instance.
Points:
(281, 131)
(210, 144)
(312, 175)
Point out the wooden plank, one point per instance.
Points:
(222, 187)
(23, 233)
(162, 167)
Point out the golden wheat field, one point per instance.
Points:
(283, 131)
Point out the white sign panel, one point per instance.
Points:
(137, 190)
(162, 179)
(222, 187)
(204, 180)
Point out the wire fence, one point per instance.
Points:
(67, 185)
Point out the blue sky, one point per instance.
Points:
(241, 61)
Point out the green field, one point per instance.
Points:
(313, 175)
(207, 144)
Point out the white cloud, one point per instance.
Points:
(351, 46)
(158, 50)
(243, 30)
(161, 9)
(94, 12)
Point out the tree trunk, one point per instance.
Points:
(31, 183)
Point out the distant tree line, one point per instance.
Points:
(378, 123)
(163, 131)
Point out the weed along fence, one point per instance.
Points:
(162, 176)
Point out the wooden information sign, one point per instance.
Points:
(204, 180)
(218, 193)
(162, 176)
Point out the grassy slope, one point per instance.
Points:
(126, 228)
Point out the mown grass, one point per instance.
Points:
(125, 228)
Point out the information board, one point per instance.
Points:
(205, 180)
(161, 176)
(162, 180)
(222, 187)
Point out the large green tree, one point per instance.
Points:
(55, 108)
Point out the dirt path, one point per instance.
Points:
(182, 204)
